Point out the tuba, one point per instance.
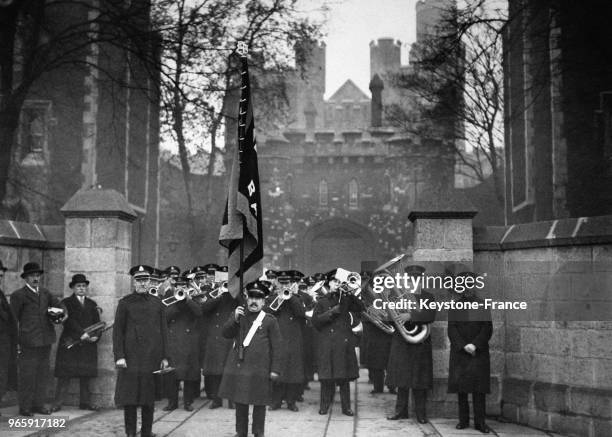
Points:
(414, 333)
(378, 317)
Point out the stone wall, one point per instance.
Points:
(555, 364)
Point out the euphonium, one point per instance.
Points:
(282, 296)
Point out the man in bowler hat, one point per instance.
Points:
(30, 305)
(139, 344)
(254, 362)
(8, 343)
(81, 360)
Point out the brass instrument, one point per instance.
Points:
(94, 330)
(350, 282)
(377, 319)
(419, 332)
(218, 290)
(153, 291)
(281, 297)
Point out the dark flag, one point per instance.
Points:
(242, 218)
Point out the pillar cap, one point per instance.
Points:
(451, 204)
(93, 203)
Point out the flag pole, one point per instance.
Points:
(242, 50)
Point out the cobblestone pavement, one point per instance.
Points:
(369, 420)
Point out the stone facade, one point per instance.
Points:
(557, 86)
(81, 128)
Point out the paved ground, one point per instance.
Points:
(369, 421)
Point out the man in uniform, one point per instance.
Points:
(81, 360)
(216, 311)
(336, 358)
(30, 306)
(254, 360)
(411, 365)
(307, 332)
(183, 319)
(290, 316)
(8, 343)
(140, 339)
(469, 369)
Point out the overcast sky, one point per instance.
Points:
(352, 25)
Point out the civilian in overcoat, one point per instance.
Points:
(30, 306)
(81, 360)
(374, 353)
(8, 343)
(183, 318)
(140, 339)
(469, 368)
(336, 357)
(250, 370)
(290, 316)
(216, 312)
(410, 366)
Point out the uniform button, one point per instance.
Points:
(187, 330)
(331, 330)
(216, 326)
(217, 314)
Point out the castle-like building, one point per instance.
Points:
(339, 181)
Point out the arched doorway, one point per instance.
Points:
(336, 242)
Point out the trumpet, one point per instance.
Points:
(181, 293)
(284, 295)
(219, 290)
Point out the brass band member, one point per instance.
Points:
(8, 343)
(308, 332)
(290, 316)
(469, 369)
(36, 335)
(216, 311)
(336, 358)
(80, 361)
(183, 338)
(140, 339)
(253, 361)
(411, 365)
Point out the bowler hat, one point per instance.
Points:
(30, 268)
(79, 278)
(257, 289)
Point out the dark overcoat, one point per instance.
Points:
(467, 373)
(30, 310)
(290, 317)
(81, 359)
(376, 345)
(248, 381)
(411, 365)
(336, 358)
(140, 336)
(183, 320)
(215, 313)
(308, 335)
(8, 346)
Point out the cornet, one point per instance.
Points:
(219, 290)
(180, 293)
(281, 297)
(154, 291)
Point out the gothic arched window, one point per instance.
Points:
(353, 194)
(323, 194)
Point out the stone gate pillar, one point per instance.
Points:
(442, 240)
(99, 244)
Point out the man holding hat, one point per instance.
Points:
(290, 316)
(216, 311)
(140, 341)
(81, 360)
(336, 358)
(8, 343)
(410, 365)
(30, 306)
(254, 360)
